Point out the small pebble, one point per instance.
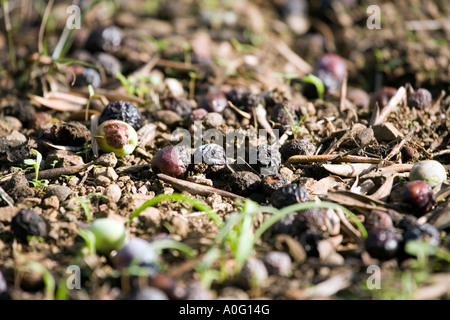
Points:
(253, 274)
(278, 263)
(113, 193)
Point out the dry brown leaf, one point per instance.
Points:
(348, 198)
(350, 170)
(384, 191)
(55, 103)
(322, 186)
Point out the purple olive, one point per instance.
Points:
(419, 99)
(383, 243)
(417, 197)
(214, 101)
(171, 160)
(135, 251)
(382, 97)
(331, 69)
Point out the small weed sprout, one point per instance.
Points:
(36, 164)
(86, 201)
(238, 236)
(295, 126)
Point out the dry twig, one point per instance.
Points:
(195, 188)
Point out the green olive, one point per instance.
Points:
(430, 171)
(109, 235)
(116, 136)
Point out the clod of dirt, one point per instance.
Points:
(270, 183)
(196, 115)
(7, 213)
(297, 147)
(386, 132)
(359, 97)
(70, 134)
(22, 110)
(107, 160)
(18, 187)
(168, 117)
(245, 182)
(113, 193)
(213, 120)
(62, 158)
(16, 151)
(28, 223)
(365, 136)
(279, 114)
(62, 192)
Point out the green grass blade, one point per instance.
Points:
(320, 87)
(49, 281)
(159, 245)
(178, 197)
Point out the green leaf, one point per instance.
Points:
(91, 91)
(29, 162)
(310, 78)
(89, 239)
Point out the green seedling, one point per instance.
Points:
(86, 201)
(193, 77)
(238, 237)
(320, 87)
(36, 164)
(92, 95)
(295, 126)
(49, 280)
